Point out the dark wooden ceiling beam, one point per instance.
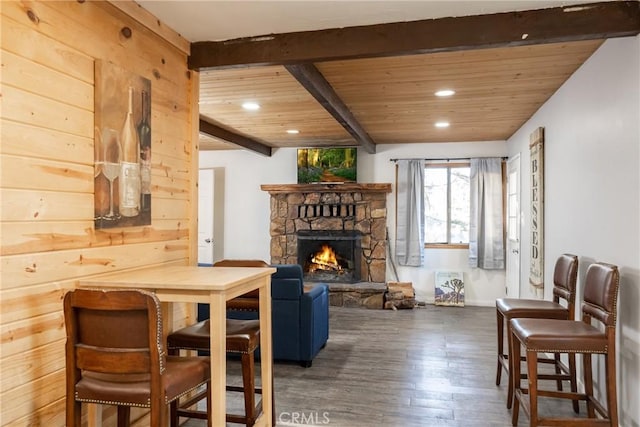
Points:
(234, 138)
(315, 83)
(559, 24)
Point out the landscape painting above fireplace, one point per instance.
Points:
(327, 165)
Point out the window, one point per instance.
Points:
(446, 192)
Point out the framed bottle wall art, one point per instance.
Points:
(122, 148)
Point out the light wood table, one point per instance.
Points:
(212, 285)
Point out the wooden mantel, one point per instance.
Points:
(327, 188)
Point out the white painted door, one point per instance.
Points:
(513, 227)
(205, 216)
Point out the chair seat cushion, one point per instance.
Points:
(182, 374)
(243, 336)
(244, 303)
(531, 308)
(557, 336)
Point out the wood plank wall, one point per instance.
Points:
(48, 239)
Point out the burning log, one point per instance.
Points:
(325, 260)
(323, 265)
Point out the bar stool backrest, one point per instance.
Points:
(113, 331)
(601, 294)
(565, 276)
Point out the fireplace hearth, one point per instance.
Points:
(330, 255)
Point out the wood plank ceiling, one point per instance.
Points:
(362, 93)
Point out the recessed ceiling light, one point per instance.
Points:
(293, 131)
(445, 92)
(442, 124)
(251, 106)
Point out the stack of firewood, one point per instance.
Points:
(399, 295)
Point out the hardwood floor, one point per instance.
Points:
(432, 366)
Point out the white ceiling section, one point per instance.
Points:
(214, 20)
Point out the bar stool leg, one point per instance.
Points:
(124, 413)
(249, 385)
(588, 384)
(572, 374)
(209, 405)
(515, 384)
(556, 364)
(532, 375)
(573, 381)
(612, 394)
(512, 361)
(500, 323)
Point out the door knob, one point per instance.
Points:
(515, 251)
(207, 240)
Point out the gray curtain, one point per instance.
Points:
(410, 220)
(486, 238)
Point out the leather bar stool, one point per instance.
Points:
(106, 366)
(564, 287)
(243, 337)
(570, 336)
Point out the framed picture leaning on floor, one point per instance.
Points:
(449, 288)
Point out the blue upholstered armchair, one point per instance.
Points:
(300, 320)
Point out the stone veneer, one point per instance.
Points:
(336, 207)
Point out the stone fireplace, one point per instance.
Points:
(350, 218)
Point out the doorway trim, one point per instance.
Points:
(514, 228)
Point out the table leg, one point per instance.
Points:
(266, 355)
(218, 325)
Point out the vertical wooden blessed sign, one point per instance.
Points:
(536, 149)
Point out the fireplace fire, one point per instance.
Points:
(325, 259)
(330, 256)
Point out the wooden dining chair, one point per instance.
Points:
(115, 355)
(572, 337)
(564, 288)
(242, 338)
